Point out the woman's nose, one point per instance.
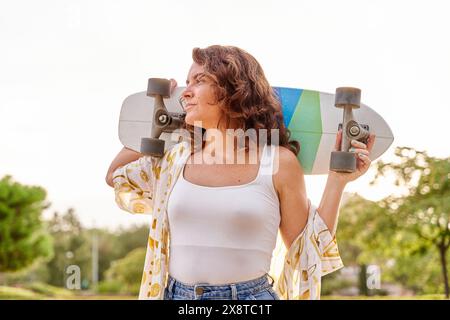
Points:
(187, 93)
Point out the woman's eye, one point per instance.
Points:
(201, 79)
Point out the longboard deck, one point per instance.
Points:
(310, 115)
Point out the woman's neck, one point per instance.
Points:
(223, 146)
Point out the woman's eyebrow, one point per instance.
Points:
(195, 76)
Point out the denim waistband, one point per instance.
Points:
(231, 290)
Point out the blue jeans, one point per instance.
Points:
(257, 289)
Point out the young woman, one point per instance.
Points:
(218, 205)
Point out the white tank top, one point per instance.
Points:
(224, 234)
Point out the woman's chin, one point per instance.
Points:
(190, 119)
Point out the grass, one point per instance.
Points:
(42, 291)
(13, 293)
(418, 297)
(103, 297)
(48, 290)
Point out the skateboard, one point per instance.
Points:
(312, 117)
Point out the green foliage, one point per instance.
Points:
(48, 290)
(11, 293)
(407, 235)
(23, 237)
(334, 282)
(71, 247)
(109, 287)
(34, 291)
(35, 251)
(420, 272)
(128, 271)
(424, 212)
(384, 297)
(115, 245)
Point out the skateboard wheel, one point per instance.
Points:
(347, 96)
(152, 147)
(158, 87)
(342, 161)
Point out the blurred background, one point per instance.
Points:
(66, 66)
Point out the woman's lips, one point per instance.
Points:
(189, 106)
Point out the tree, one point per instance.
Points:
(365, 234)
(71, 247)
(424, 210)
(23, 236)
(128, 271)
(116, 245)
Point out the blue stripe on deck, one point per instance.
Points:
(289, 99)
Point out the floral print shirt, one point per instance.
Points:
(143, 187)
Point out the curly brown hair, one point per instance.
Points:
(243, 92)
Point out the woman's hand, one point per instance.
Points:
(173, 85)
(363, 161)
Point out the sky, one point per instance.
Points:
(66, 67)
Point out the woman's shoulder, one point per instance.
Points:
(285, 156)
(288, 167)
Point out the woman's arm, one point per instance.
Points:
(289, 183)
(124, 157)
(290, 186)
(329, 205)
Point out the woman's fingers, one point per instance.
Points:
(358, 144)
(337, 146)
(365, 160)
(173, 85)
(357, 151)
(363, 156)
(371, 142)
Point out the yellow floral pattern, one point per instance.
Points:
(144, 186)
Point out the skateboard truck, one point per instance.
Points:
(348, 99)
(163, 120)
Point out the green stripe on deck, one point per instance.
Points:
(306, 127)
